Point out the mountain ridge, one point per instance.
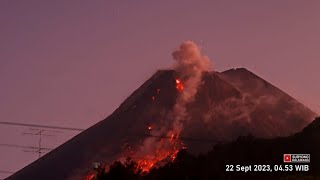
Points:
(220, 111)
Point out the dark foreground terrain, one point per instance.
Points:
(244, 151)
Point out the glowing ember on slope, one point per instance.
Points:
(154, 97)
(179, 85)
(172, 136)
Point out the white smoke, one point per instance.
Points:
(190, 64)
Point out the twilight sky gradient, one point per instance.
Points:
(71, 63)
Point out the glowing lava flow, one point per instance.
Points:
(90, 176)
(168, 149)
(179, 85)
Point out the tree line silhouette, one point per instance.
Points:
(246, 150)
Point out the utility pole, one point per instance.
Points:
(40, 133)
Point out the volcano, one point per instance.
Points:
(227, 105)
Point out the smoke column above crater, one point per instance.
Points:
(189, 60)
(189, 64)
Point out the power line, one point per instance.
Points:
(78, 129)
(24, 147)
(41, 126)
(40, 133)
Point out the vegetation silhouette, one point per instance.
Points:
(246, 150)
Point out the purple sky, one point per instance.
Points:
(71, 63)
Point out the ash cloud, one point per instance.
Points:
(189, 61)
(190, 64)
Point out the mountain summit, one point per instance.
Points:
(226, 105)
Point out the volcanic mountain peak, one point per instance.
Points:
(227, 105)
(248, 82)
(264, 92)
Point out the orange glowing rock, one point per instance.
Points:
(172, 136)
(179, 85)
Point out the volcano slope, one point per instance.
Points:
(227, 105)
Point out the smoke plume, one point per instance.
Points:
(189, 64)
